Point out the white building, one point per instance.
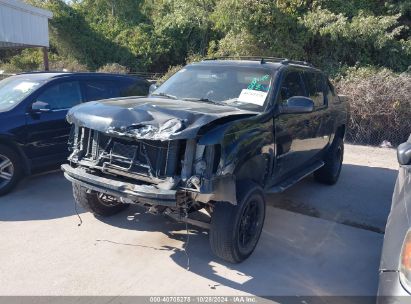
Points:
(23, 25)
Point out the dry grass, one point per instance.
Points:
(380, 106)
(113, 68)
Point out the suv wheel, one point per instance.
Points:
(98, 203)
(10, 169)
(330, 172)
(235, 230)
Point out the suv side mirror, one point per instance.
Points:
(404, 153)
(152, 88)
(297, 104)
(40, 107)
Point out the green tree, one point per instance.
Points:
(155, 34)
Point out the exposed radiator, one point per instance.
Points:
(151, 158)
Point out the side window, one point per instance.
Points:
(63, 95)
(101, 89)
(135, 88)
(329, 88)
(291, 86)
(315, 85)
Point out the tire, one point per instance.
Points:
(11, 169)
(229, 225)
(97, 203)
(330, 172)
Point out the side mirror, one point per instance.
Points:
(40, 107)
(152, 88)
(404, 153)
(297, 105)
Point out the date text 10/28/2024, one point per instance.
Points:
(203, 299)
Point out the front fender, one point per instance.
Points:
(247, 147)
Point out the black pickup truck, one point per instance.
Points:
(215, 137)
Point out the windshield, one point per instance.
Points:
(13, 90)
(241, 87)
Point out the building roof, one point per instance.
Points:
(23, 25)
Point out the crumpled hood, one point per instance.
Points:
(150, 118)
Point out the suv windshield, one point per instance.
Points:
(241, 87)
(13, 90)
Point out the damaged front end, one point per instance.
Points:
(147, 169)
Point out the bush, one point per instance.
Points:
(27, 60)
(171, 71)
(64, 64)
(32, 60)
(113, 68)
(380, 105)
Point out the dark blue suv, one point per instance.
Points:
(33, 107)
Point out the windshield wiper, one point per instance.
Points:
(204, 100)
(165, 95)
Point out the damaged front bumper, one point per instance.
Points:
(150, 172)
(222, 188)
(139, 192)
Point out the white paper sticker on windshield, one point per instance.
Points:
(252, 96)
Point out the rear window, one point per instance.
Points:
(101, 89)
(104, 89)
(135, 88)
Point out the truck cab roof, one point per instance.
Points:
(267, 62)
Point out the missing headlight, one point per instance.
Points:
(206, 160)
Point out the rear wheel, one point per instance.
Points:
(98, 203)
(10, 169)
(330, 172)
(235, 230)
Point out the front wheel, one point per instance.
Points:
(235, 230)
(99, 204)
(10, 169)
(330, 172)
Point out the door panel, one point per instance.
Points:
(47, 131)
(316, 90)
(328, 125)
(294, 133)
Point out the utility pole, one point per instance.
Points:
(46, 58)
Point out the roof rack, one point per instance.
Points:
(262, 59)
(286, 61)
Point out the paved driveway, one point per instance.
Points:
(362, 196)
(328, 242)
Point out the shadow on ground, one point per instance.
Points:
(297, 255)
(39, 197)
(361, 198)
